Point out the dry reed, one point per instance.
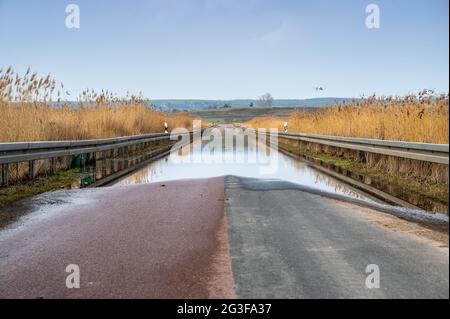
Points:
(418, 118)
(34, 108)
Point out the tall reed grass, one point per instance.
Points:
(419, 118)
(34, 108)
(416, 118)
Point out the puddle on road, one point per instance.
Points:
(239, 161)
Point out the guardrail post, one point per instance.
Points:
(104, 164)
(52, 165)
(5, 177)
(94, 158)
(125, 160)
(81, 163)
(31, 169)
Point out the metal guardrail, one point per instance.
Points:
(23, 151)
(30, 151)
(433, 153)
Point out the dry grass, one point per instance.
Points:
(416, 118)
(419, 118)
(41, 122)
(27, 113)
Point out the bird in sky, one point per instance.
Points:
(319, 88)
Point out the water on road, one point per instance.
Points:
(199, 161)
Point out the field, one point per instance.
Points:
(420, 118)
(26, 113)
(240, 115)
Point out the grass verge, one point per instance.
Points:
(62, 179)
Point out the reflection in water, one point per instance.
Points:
(235, 160)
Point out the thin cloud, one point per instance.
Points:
(279, 35)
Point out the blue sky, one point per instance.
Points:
(224, 49)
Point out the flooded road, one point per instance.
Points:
(169, 232)
(251, 159)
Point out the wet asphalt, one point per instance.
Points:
(162, 240)
(215, 238)
(292, 243)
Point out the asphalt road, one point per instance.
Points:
(216, 238)
(288, 243)
(164, 240)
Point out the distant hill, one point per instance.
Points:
(243, 114)
(190, 105)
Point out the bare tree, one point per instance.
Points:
(266, 100)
